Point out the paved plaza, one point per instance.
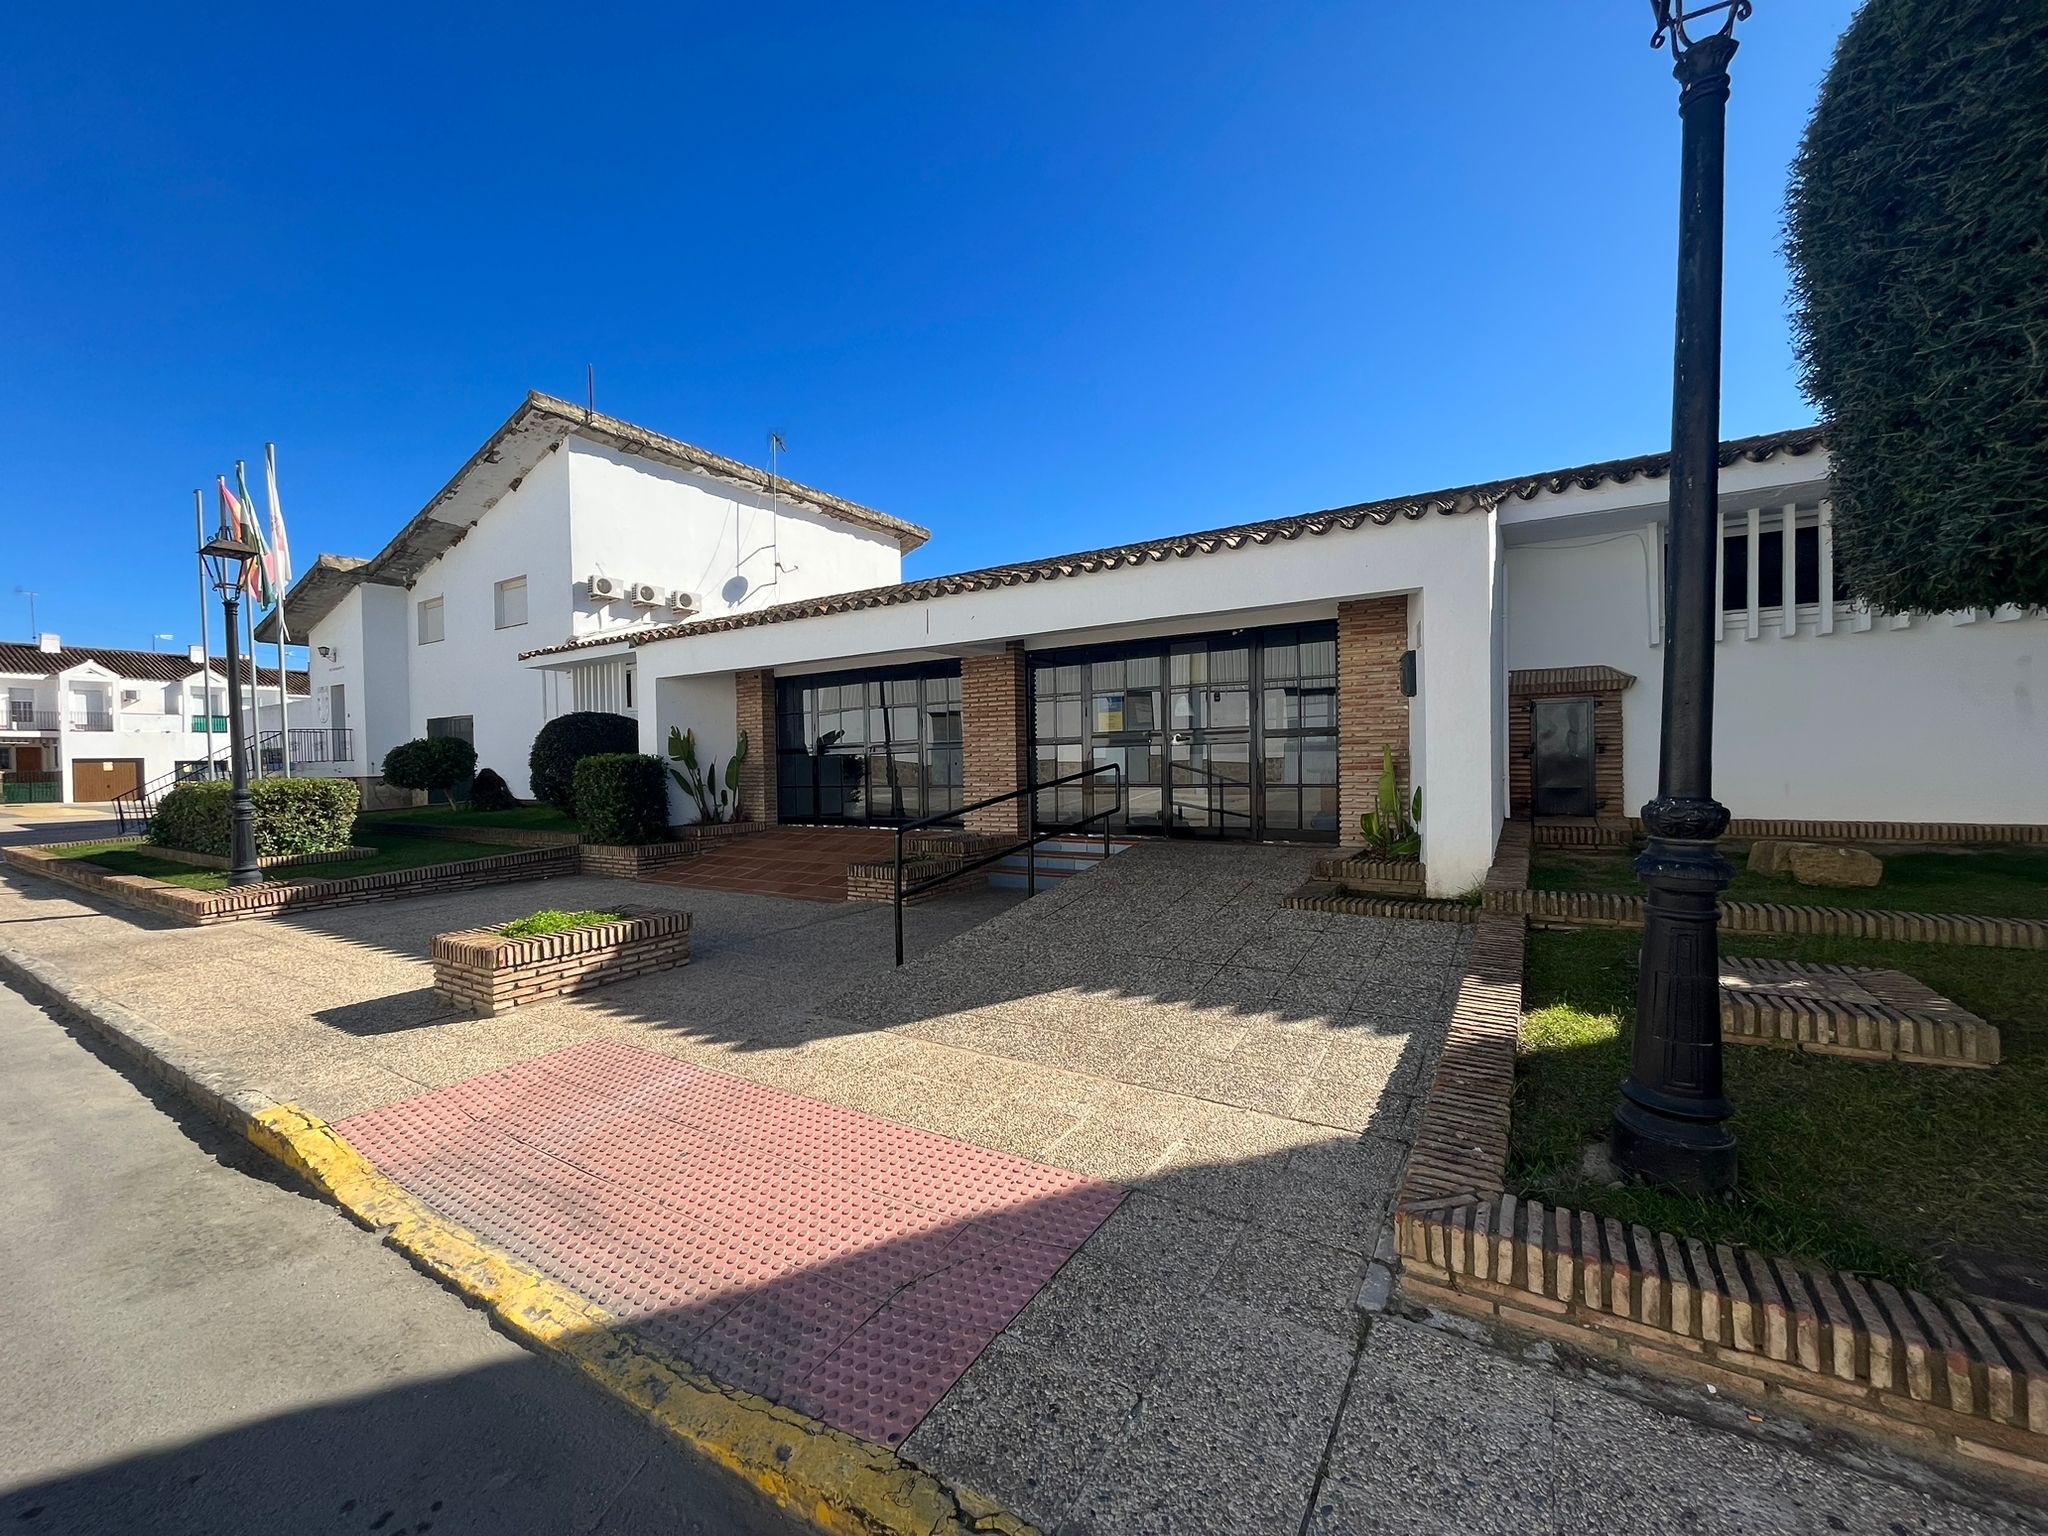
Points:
(1247, 1076)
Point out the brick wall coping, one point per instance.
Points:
(263, 861)
(513, 837)
(1386, 877)
(1414, 911)
(488, 948)
(1608, 909)
(272, 897)
(1744, 829)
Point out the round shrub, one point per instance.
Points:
(430, 763)
(565, 741)
(1920, 295)
(622, 797)
(490, 792)
(291, 816)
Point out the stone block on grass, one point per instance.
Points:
(1817, 864)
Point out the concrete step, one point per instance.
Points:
(1059, 858)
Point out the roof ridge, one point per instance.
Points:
(1484, 495)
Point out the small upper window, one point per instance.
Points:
(430, 621)
(508, 601)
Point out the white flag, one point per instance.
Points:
(281, 552)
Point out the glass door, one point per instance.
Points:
(1213, 789)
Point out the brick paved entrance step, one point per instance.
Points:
(845, 1266)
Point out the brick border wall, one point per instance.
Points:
(1960, 1377)
(272, 898)
(1619, 829)
(1381, 877)
(263, 861)
(1603, 909)
(1372, 714)
(754, 701)
(481, 970)
(995, 735)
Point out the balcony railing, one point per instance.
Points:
(92, 720)
(219, 724)
(26, 717)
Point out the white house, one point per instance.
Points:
(90, 723)
(1501, 641)
(564, 523)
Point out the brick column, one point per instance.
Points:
(755, 694)
(1372, 715)
(993, 699)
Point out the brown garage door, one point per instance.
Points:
(102, 778)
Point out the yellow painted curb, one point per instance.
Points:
(836, 1481)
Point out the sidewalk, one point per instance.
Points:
(1248, 1075)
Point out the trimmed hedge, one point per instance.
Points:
(292, 816)
(568, 739)
(430, 763)
(490, 792)
(1914, 229)
(622, 797)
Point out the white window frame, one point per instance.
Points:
(433, 606)
(499, 608)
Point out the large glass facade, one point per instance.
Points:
(868, 747)
(1223, 735)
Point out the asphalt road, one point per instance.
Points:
(189, 1347)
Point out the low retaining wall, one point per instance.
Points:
(926, 856)
(1606, 909)
(1958, 1376)
(271, 898)
(482, 970)
(263, 861)
(628, 861)
(1419, 911)
(1378, 877)
(1610, 830)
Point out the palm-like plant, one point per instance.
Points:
(716, 796)
(1392, 829)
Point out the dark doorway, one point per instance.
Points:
(1562, 770)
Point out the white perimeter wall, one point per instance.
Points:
(1935, 721)
(710, 707)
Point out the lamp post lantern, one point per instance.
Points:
(225, 556)
(1671, 1125)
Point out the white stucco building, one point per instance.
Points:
(1501, 640)
(87, 724)
(564, 522)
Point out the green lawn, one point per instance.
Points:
(1988, 882)
(1878, 1168)
(543, 817)
(394, 851)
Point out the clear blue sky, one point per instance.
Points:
(1038, 277)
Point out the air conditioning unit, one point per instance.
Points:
(680, 601)
(606, 589)
(647, 595)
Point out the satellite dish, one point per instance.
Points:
(734, 591)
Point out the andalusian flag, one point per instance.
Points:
(260, 575)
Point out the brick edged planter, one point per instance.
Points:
(1959, 1377)
(1608, 830)
(1420, 911)
(630, 861)
(511, 837)
(926, 856)
(1378, 877)
(263, 861)
(483, 971)
(269, 899)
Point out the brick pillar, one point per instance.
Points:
(993, 698)
(1372, 715)
(755, 694)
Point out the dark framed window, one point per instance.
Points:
(1231, 734)
(871, 747)
(1770, 574)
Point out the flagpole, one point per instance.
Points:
(283, 578)
(205, 635)
(255, 692)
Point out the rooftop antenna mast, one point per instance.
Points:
(31, 596)
(590, 389)
(776, 449)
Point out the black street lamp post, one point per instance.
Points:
(225, 556)
(1671, 1126)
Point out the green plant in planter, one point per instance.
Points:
(548, 920)
(1391, 829)
(715, 799)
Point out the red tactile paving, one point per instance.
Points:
(808, 863)
(849, 1267)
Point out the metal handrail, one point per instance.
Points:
(1029, 844)
(1214, 778)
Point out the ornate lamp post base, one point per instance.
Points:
(1671, 1126)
